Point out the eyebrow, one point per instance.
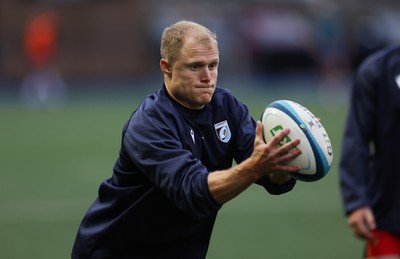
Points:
(202, 62)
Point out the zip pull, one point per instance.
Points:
(192, 135)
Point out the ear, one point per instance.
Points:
(165, 67)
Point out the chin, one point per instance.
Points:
(206, 99)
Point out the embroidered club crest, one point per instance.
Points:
(222, 130)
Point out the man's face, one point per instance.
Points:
(193, 76)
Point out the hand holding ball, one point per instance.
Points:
(316, 157)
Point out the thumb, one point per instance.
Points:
(259, 132)
(370, 220)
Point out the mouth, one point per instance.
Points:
(205, 86)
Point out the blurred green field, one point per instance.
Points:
(52, 163)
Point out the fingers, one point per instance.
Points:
(361, 222)
(286, 155)
(288, 150)
(370, 220)
(280, 138)
(361, 230)
(278, 151)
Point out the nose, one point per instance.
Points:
(206, 75)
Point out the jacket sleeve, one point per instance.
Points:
(153, 144)
(276, 189)
(357, 135)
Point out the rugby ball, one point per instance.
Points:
(317, 154)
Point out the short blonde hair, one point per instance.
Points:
(174, 37)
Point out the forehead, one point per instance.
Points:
(200, 49)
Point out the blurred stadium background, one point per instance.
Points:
(55, 151)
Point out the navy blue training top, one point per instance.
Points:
(157, 203)
(370, 168)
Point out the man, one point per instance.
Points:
(369, 169)
(174, 170)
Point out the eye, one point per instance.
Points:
(194, 67)
(213, 66)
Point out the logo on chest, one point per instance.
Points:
(223, 131)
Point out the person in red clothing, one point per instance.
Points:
(43, 84)
(40, 39)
